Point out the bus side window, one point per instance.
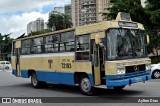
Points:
(82, 52)
(37, 45)
(51, 43)
(25, 47)
(67, 41)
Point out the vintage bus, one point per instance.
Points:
(109, 54)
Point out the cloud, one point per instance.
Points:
(28, 5)
(16, 14)
(17, 24)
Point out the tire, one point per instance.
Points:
(85, 86)
(35, 83)
(156, 74)
(119, 87)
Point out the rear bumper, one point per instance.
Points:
(128, 81)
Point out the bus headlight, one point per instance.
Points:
(121, 70)
(148, 67)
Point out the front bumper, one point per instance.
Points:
(123, 82)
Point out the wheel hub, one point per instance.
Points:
(34, 80)
(157, 74)
(86, 86)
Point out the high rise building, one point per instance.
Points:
(31, 27)
(57, 10)
(45, 25)
(40, 24)
(68, 10)
(88, 11)
(35, 25)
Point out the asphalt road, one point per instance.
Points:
(11, 86)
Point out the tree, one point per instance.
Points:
(153, 7)
(5, 44)
(133, 7)
(59, 21)
(40, 32)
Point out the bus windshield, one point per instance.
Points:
(125, 44)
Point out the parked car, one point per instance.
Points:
(5, 65)
(155, 70)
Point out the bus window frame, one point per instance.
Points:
(58, 43)
(89, 47)
(46, 44)
(64, 42)
(106, 43)
(25, 47)
(32, 40)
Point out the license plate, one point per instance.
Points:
(138, 79)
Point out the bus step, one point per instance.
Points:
(101, 86)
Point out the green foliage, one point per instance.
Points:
(59, 21)
(153, 8)
(40, 32)
(153, 5)
(5, 44)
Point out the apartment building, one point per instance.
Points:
(88, 11)
(35, 25)
(68, 10)
(57, 10)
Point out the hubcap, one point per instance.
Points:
(86, 85)
(34, 80)
(157, 74)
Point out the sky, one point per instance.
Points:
(16, 14)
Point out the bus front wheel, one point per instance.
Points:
(85, 86)
(35, 82)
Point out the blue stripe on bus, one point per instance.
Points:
(68, 78)
(14, 72)
(123, 82)
(24, 74)
(128, 75)
(54, 77)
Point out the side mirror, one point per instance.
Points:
(148, 40)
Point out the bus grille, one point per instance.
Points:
(136, 68)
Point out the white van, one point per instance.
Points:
(5, 65)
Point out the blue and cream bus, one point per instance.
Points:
(110, 54)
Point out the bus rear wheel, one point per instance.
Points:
(85, 86)
(35, 83)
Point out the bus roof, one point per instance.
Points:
(93, 28)
(98, 27)
(45, 34)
